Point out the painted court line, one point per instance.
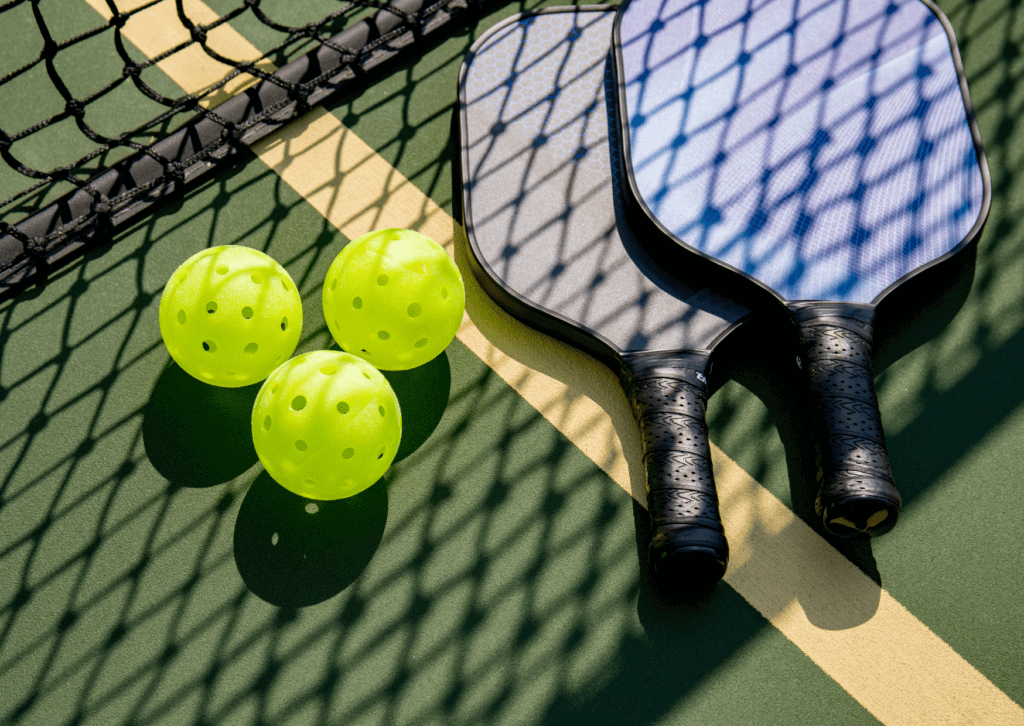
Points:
(885, 658)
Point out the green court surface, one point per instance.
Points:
(152, 573)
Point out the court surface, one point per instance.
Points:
(152, 573)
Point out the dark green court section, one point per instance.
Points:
(153, 574)
(493, 576)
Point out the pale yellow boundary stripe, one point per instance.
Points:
(158, 29)
(854, 630)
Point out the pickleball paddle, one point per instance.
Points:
(541, 215)
(826, 151)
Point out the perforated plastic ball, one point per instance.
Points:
(230, 315)
(326, 425)
(394, 297)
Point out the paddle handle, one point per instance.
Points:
(857, 493)
(668, 394)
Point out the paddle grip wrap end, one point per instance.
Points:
(857, 495)
(668, 394)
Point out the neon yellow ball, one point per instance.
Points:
(230, 315)
(394, 297)
(326, 425)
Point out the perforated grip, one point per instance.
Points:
(668, 394)
(857, 494)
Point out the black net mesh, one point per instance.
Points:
(70, 180)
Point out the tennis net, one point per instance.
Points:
(54, 210)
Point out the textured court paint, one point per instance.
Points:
(887, 659)
(884, 657)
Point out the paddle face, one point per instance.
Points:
(542, 216)
(822, 148)
(540, 205)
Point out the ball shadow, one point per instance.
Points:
(293, 552)
(423, 396)
(195, 434)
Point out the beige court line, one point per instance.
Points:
(883, 656)
(158, 29)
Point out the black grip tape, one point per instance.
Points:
(857, 494)
(668, 395)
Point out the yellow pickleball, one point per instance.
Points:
(230, 315)
(326, 425)
(393, 297)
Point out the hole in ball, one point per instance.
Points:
(420, 343)
(285, 285)
(343, 407)
(381, 454)
(181, 317)
(209, 346)
(382, 280)
(357, 303)
(222, 269)
(383, 334)
(252, 348)
(414, 310)
(284, 323)
(300, 445)
(334, 284)
(348, 453)
(311, 508)
(298, 403)
(328, 370)
(444, 293)
(257, 278)
(247, 312)
(366, 375)
(381, 410)
(267, 422)
(211, 307)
